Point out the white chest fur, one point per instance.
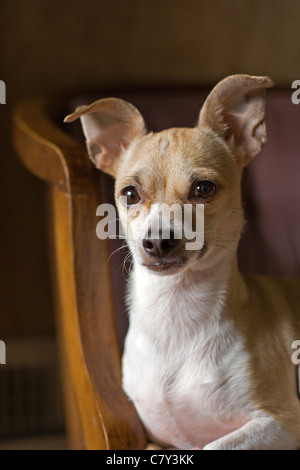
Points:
(184, 364)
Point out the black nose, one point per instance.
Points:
(159, 247)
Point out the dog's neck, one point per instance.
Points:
(184, 300)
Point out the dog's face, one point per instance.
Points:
(164, 180)
(161, 181)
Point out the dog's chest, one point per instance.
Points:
(188, 381)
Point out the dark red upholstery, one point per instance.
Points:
(271, 243)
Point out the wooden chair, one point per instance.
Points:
(101, 417)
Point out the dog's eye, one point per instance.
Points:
(204, 189)
(131, 196)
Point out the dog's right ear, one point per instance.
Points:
(109, 125)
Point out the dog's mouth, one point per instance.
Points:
(165, 266)
(171, 265)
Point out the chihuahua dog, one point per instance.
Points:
(207, 357)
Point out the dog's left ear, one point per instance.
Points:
(235, 110)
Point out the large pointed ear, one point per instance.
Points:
(109, 125)
(235, 110)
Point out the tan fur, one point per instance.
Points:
(266, 311)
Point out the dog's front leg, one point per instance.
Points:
(258, 434)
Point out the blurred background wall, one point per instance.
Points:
(55, 45)
(49, 46)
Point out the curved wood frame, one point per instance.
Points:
(85, 316)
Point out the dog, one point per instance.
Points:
(207, 357)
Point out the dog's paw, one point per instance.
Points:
(153, 446)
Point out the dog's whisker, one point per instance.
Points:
(117, 250)
(225, 248)
(127, 258)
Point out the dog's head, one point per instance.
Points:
(166, 181)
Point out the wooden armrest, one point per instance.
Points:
(46, 150)
(85, 318)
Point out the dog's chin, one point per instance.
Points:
(163, 267)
